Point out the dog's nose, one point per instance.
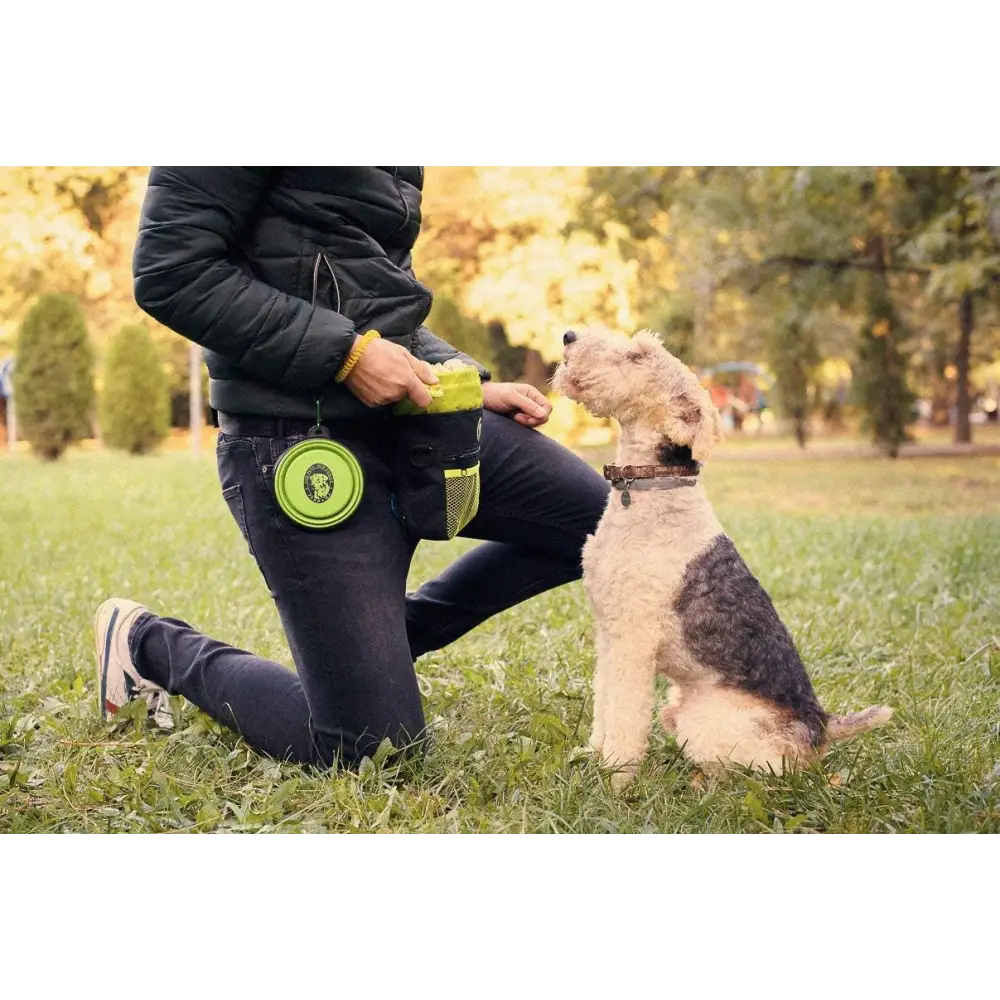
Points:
(568, 337)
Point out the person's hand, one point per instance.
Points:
(519, 400)
(386, 373)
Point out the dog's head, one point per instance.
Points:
(637, 381)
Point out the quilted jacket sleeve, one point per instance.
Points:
(185, 278)
(433, 350)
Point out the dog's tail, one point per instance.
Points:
(843, 727)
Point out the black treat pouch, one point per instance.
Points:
(437, 462)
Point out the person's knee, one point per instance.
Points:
(336, 748)
(585, 503)
(583, 492)
(595, 498)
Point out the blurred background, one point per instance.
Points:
(857, 306)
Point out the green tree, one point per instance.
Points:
(838, 232)
(792, 355)
(933, 232)
(635, 197)
(718, 247)
(880, 372)
(953, 212)
(718, 251)
(135, 402)
(54, 375)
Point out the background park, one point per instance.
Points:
(847, 323)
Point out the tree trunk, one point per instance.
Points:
(801, 433)
(940, 401)
(963, 425)
(535, 371)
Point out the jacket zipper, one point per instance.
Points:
(320, 256)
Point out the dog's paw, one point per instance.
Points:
(622, 772)
(622, 778)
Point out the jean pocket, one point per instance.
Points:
(226, 442)
(280, 445)
(234, 501)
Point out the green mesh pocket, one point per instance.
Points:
(461, 494)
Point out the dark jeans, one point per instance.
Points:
(352, 629)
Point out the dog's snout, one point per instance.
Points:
(568, 337)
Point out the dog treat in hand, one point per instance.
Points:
(451, 365)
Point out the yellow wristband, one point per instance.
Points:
(355, 356)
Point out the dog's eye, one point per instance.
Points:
(634, 356)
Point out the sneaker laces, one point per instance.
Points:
(159, 709)
(158, 702)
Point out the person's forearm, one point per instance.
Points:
(185, 279)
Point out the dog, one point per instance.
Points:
(669, 592)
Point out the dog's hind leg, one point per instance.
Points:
(668, 714)
(628, 693)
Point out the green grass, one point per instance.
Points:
(888, 575)
(820, 441)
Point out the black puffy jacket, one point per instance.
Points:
(274, 270)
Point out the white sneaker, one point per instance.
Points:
(118, 682)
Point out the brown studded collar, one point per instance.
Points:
(666, 477)
(626, 473)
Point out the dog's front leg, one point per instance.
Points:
(628, 689)
(601, 668)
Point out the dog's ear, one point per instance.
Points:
(643, 344)
(710, 432)
(694, 420)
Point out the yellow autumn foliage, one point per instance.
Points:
(69, 229)
(501, 241)
(505, 235)
(547, 284)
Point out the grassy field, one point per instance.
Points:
(888, 575)
(820, 442)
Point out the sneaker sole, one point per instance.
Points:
(103, 651)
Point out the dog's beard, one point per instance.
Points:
(563, 382)
(595, 397)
